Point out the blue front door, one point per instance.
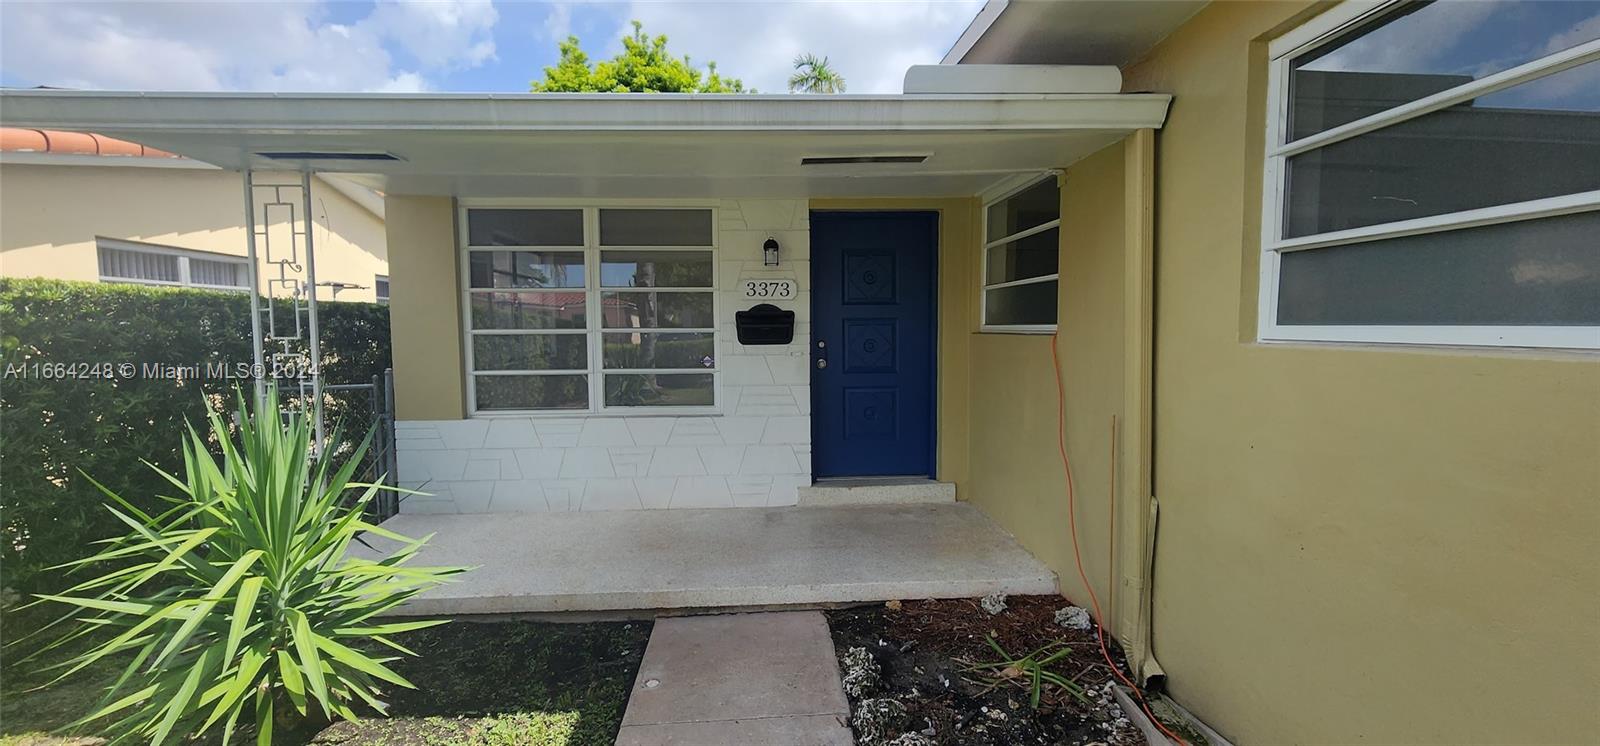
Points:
(872, 349)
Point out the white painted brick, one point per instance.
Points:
(650, 431)
(694, 431)
(745, 370)
(802, 453)
(481, 469)
(631, 462)
(772, 401)
(802, 398)
(656, 492)
(511, 433)
(462, 433)
(422, 466)
(722, 460)
(741, 430)
(676, 461)
(586, 463)
(789, 370)
(539, 463)
(750, 492)
(509, 468)
(472, 497)
(605, 432)
(564, 494)
(561, 433)
(611, 494)
(417, 436)
(768, 460)
(702, 492)
(728, 399)
(785, 490)
(518, 496)
(787, 430)
(770, 214)
(427, 506)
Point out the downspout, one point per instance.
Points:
(1136, 521)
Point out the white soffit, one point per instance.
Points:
(1068, 32)
(993, 79)
(616, 145)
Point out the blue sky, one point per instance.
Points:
(449, 45)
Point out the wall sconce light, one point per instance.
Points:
(769, 251)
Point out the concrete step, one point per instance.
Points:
(738, 679)
(876, 491)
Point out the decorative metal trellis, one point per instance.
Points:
(279, 225)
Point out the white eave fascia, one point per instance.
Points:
(651, 112)
(41, 158)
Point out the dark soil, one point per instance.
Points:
(926, 648)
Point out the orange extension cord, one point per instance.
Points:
(1072, 521)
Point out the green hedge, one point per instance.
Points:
(50, 429)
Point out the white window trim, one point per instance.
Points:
(184, 255)
(384, 299)
(1011, 189)
(1321, 30)
(591, 290)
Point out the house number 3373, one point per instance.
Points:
(769, 289)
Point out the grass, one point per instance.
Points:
(512, 683)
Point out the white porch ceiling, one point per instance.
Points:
(617, 145)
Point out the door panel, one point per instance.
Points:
(872, 357)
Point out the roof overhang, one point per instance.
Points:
(616, 145)
(1068, 32)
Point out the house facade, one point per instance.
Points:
(83, 206)
(1281, 342)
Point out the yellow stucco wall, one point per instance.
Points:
(958, 237)
(1357, 545)
(1015, 468)
(50, 216)
(426, 315)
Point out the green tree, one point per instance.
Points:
(814, 75)
(643, 66)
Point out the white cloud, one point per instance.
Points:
(238, 46)
(558, 24)
(870, 42)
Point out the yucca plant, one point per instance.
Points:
(239, 604)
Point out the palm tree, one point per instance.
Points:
(815, 76)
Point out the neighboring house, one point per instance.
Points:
(1336, 313)
(80, 206)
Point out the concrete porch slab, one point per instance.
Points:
(735, 679)
(717, 558)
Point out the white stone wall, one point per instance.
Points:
(754, 452)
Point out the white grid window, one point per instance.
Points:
(1021, 258)
(380, 289)
(150, 264)
(586, 309)
(1447, 198)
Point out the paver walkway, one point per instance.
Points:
(738, 680)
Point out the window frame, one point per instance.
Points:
(380, 298)
(594, 326)
(183, 255)
(1007, 191)
(1324, 29)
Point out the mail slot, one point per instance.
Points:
(765, 324)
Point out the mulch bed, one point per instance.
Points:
(925, 650)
